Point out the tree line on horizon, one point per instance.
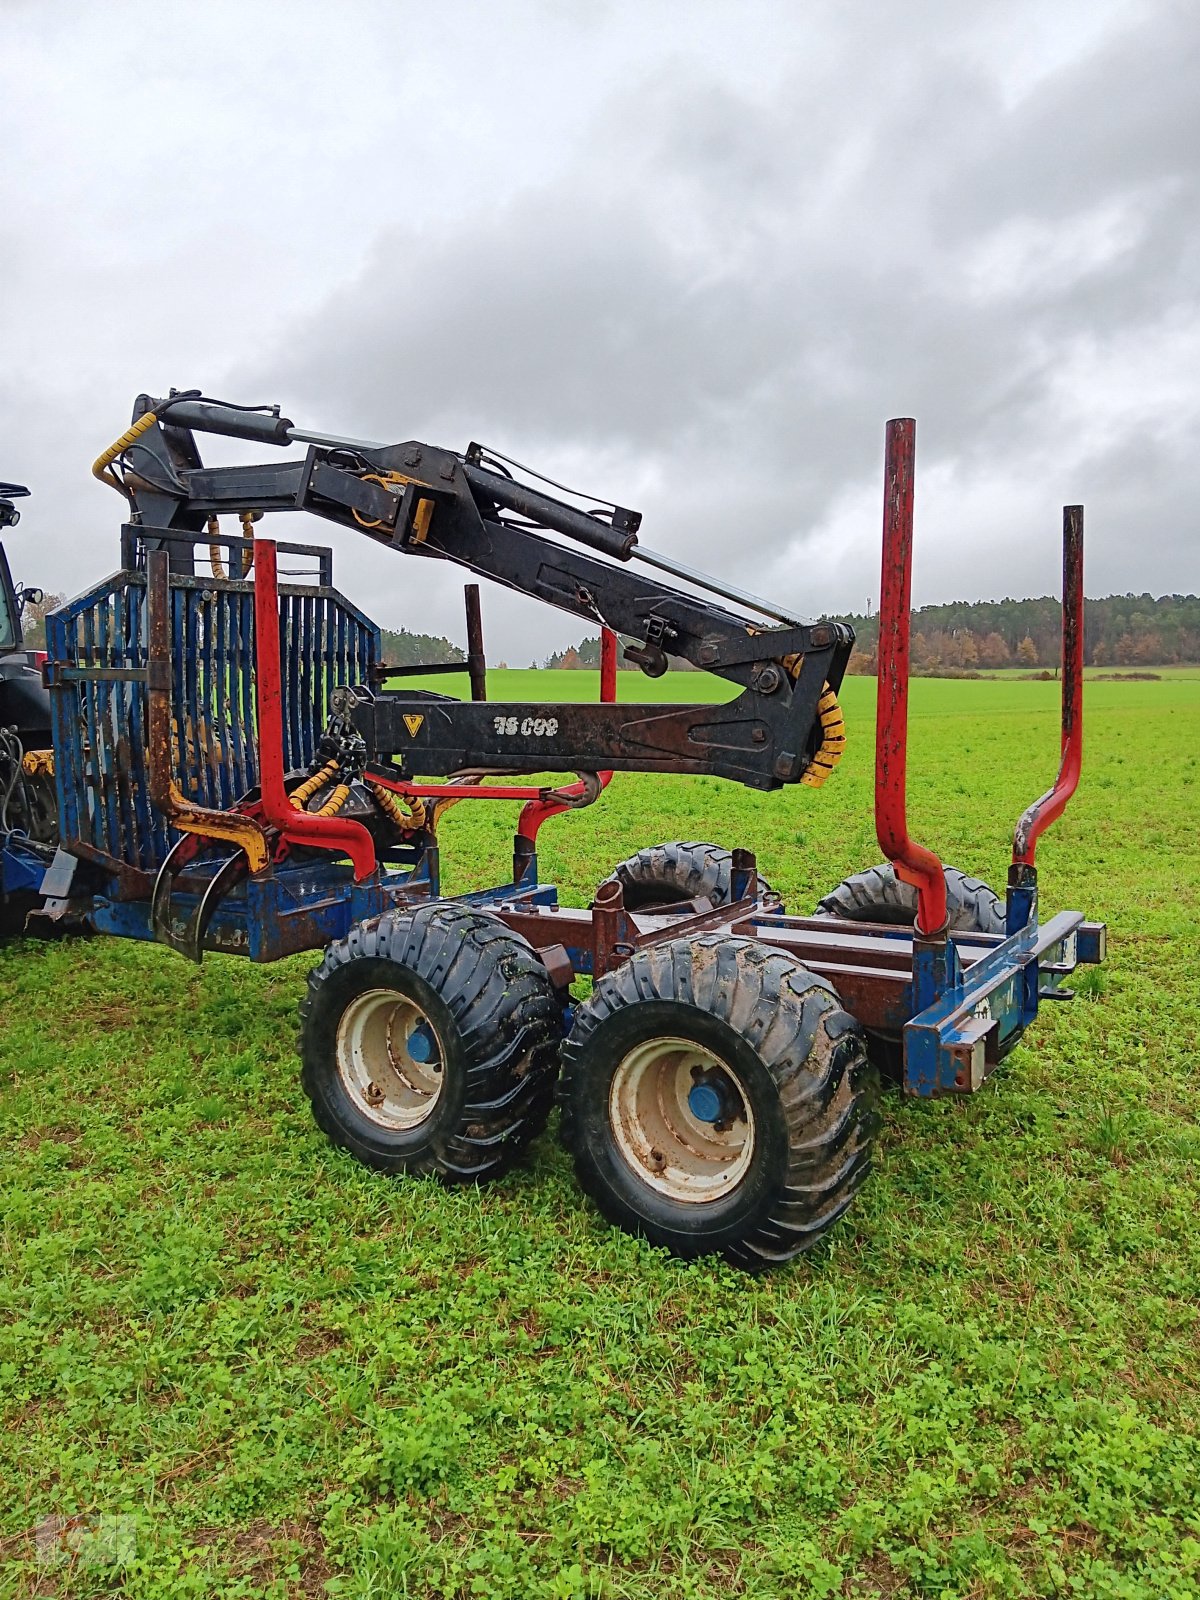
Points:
(1126, 630)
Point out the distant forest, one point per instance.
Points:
(1124, 630)
(404, 649)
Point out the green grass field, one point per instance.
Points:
(249, 1367)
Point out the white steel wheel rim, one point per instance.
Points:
(677, 1153)
(390, 1060)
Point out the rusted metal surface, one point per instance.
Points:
(245, 832)
(613, 935)
(1050, 806)
(125, 882)
(476, 658)
(913, 863)
(559, 967)
(871, 971)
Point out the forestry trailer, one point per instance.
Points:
(234, 773)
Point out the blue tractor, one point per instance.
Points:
(28, 811)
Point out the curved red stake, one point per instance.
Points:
(912, 862)
(340, 834)
(1053, 803)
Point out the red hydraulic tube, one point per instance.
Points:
(912, 862)
(341, 835)
(1053, 803)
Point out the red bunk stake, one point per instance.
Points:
(342, 835)
(1053, 803)
(912, 862)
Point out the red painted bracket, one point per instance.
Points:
(341, 835)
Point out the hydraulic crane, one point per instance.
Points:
(469, 507)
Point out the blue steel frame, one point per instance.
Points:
(98, 656)
(21, 867)
(965, 1021)
(97, 647)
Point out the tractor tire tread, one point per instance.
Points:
(814, 1053)
(508, 1018)
(877, 895)
(679, 870)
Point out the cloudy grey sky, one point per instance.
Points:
(689, 255)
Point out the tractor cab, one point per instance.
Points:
(24, 704)
(29, 812)
(10, 608)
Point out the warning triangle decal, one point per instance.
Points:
(413, 721)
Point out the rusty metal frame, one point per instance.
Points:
(1050, 806)
(165, 794)
(912, 862)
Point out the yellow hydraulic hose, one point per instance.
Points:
(833, 740)
(213, 527)
(303, 792)
(391, 805)
(392, 480)
(101, 467)
(247, 520)
(335, 802)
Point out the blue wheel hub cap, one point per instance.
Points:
(420, 1044)
(704, 1102)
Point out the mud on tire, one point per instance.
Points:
(665, 873)
(429, 1043)
(770, 1048)
(877, 895)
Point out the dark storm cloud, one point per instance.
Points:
(696, 270)
(712, 308)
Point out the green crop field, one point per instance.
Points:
(246, 1366)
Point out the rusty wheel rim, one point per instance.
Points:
(389, 1059)
(681, 1120)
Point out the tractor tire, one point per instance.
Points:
(877, 895)
(716, 1098)
(469, 1081)
(664, 874)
